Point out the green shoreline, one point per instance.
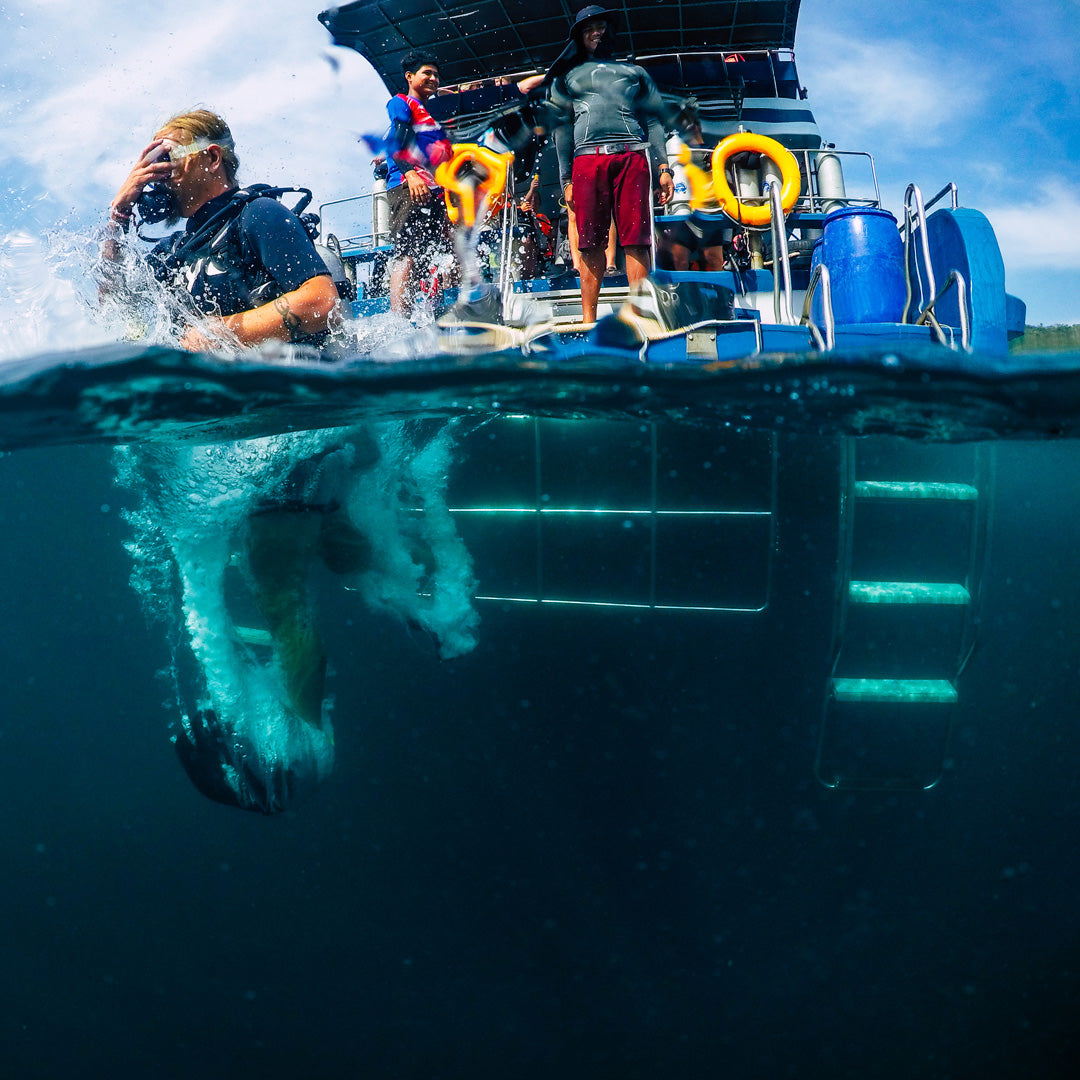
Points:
(1059, 338)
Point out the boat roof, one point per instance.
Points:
(481, 39)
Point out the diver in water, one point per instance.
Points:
(244, 525)
(246, 261)
(247, 272)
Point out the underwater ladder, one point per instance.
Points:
(900, 646)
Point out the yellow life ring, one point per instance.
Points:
(730, 203)
(472, 176)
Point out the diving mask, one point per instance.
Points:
(158, 201)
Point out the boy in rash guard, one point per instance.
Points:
(614, 120)
(419, 225)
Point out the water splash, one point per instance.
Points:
(223, 540)
(55, 295)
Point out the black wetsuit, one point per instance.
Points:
(263, 252)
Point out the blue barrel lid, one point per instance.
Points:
(857, 211)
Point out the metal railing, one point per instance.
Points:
(812, 200)
(928, 315)
(914, 193)
(915, 225)
(820, 277)
(949, 189)
(364, 241)
(781, 258)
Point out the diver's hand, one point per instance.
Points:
(568, 197)
(667, 189)
(418, 190)
(198, 340)
(150, 168)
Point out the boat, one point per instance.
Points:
(819, 282)
(936, 278)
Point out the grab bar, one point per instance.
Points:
(820, 276)
(920, 222)
(949, 189)
(928, 316)
(781, 259)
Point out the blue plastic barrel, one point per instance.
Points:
(862, 248)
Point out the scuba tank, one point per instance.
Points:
(330, 253)
(380, 207)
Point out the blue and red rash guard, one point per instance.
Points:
(414, 139)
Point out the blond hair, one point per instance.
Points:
(202, 123)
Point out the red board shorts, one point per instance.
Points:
(607, 185)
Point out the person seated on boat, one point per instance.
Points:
(245, 266)
(419, 227)
(611, 148)
(690, 242)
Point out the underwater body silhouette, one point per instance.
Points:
(226, 537)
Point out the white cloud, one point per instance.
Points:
(88, 84)
(1043, 232)
(864, 89)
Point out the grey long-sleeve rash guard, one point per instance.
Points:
(611, 102)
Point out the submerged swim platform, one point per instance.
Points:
(603, 514)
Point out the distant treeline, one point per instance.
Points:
(1060, 338)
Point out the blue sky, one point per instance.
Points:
(984, 94)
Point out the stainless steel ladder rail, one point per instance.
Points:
(820, 279)
(781, 258)
(928, 316)
(917, 222)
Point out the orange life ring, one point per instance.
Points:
(748, 142)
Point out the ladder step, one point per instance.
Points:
(910, 691)
(914, 489)
(907, 592)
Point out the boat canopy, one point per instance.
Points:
(483, 39)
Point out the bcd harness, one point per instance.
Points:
(219, 243)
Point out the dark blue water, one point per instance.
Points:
(593, 846)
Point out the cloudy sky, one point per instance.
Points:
(984, 94)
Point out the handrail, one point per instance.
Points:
(364, 239)
(920, 222)
(715, 325)
(949, 188)
(815, 201)
(506, 231)
(727, 324)
(781, 259)
(928, 316)
(820, 276)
